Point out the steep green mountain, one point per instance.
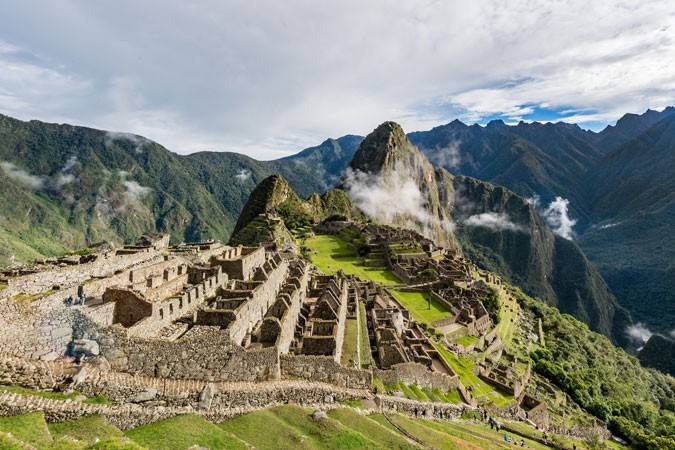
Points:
(275, 213)
(619, 184)
(498, 229)
(65, 187)
(393, 183)
(632, 243)
(659, 353)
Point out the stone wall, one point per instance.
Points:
(324, 369)
(202, 353)
(253, 310)
(417, 374)
(419, 409)
(67, 276)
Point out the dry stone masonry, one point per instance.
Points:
(220, 330)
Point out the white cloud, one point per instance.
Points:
(557, 216)
(268, 78)
(64, 177)
(394, 199)
(21, 176)
(493, 221)
(448, 157)
(243, 175)
(639, 333)
(134, 191)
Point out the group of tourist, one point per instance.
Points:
(81, 298)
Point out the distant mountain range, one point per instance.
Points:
(63, 187)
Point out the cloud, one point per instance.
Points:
(136, 141)
(556, 215)
(493, 221)
(63, 178)
(393, 199)
(448, 157)
(134, 191)
(243, 175)
(282, 64)
(638, 333)
(21, 176)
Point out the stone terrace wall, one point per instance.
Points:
(203, 353)
(419, 409)
(324, 369)
(418, 374)
(254, 309)
(72, 275)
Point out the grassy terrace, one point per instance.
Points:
(466, 341)
(364, 342)
(97, 400)
(482, 391)
(330, 254)
(350, 344)
(419, 306)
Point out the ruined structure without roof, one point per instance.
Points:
(201, 318)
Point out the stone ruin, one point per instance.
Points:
(210, 316)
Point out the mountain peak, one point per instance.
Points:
(386, 143)
(269, 193)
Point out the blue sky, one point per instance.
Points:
(268, 78)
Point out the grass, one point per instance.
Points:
(330, 254)
(181, 432)
(52, 395)
(350, 344)
(373, 430)
(506, 326)
(89, 429)
(31, 297)
(327, 433)
(428, 436)
(466, 341)
(479, 434)
(422, 310)
(364, 341)
(482, 391)
(30, 428)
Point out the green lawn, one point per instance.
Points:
(371, 429)
(330, 254)
(466, 341)
(88, 429)
(97, 400)
(181, 432)
(364, 342)
(350, 344)
(422, 310)
(30, 428)
(506, 325)
(482, 391)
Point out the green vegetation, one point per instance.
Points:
(466, 341)
(481, 391)
(331, 254)
(181, 432)
(382, 436)
(54, 395)
(88, 429)
(364, 341)
(638, 403)
(350, 344)
(295, 428)
(31, 297)
(30, 428)
(424, 308)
